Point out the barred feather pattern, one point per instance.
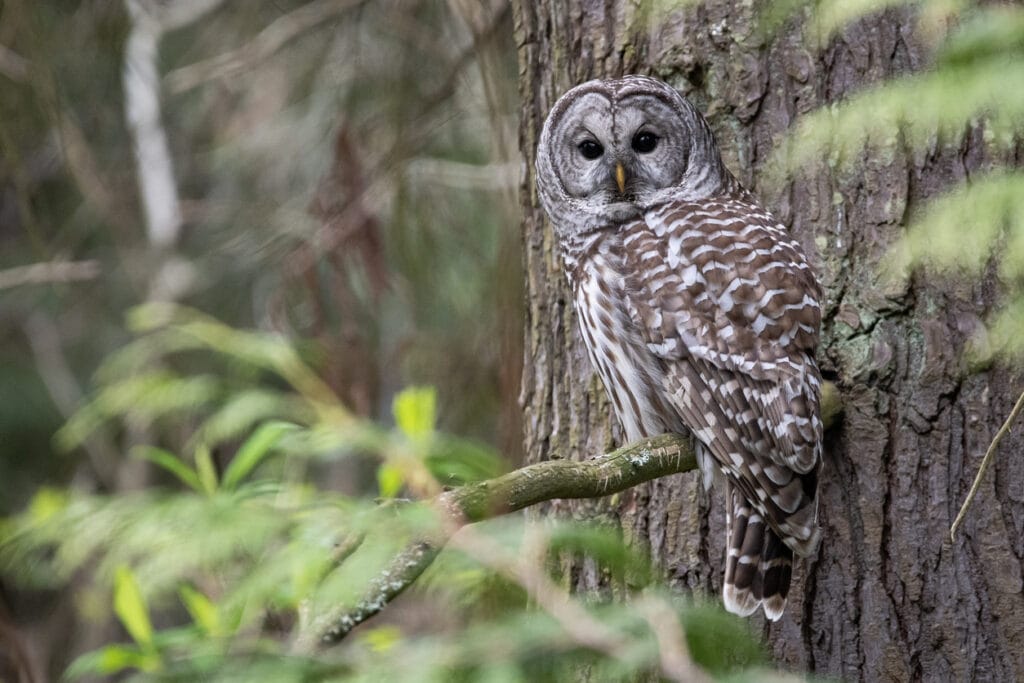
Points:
(699, 312)
(702, 317)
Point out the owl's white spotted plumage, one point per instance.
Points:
(700, 314)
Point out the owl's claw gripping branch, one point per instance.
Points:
(603, 475)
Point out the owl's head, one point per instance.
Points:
(612, 149)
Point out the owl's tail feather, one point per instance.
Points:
(758, 565)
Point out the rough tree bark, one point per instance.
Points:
(888, 596)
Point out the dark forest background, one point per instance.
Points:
(272, 272)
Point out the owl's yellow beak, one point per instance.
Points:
(620, 178)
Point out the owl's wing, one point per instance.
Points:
(729, 305)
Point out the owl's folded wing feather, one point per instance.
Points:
(728, 303)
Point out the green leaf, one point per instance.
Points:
(415, 411)
(46, 503)
(204, 613)
(721, 642)
(151, 316)
(130, 607)
(389, 480)
(909, 112)
(255, 448)
(991, 206)
(383, 638)
(207, 472)
(989, 32)
(170, 462)
(826, 17)
(1005, 336)
(112, 659)
(145, 396)
(271, 352)
(456, 461)
(605, 546)
(244, 410)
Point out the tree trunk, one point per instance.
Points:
(887, 596)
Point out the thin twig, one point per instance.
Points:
(49, 272)
(676, 662)
(465, 176)
(44, 340)
(266, 43)
(986, 461)
(577, 623)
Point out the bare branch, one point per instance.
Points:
(44, 340)
(153, 166)
(49, 272)
(266, 43)
(465, 176)
(141, 81)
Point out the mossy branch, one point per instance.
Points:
(603, 475)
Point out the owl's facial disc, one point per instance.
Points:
(612, 150)
(615, 154)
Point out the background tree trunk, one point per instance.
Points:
(887, 597)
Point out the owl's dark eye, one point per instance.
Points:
(644, 142)
(590, 149)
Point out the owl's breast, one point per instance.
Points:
(630, 372)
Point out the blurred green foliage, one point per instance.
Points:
(346, 175)
(349, 192)
(348, 187)
(973, 86)
(221, 571)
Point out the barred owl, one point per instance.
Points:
(698, 311)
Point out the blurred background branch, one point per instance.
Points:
(325, 171)
(262, 46)
(150, 19)
(52, 272)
